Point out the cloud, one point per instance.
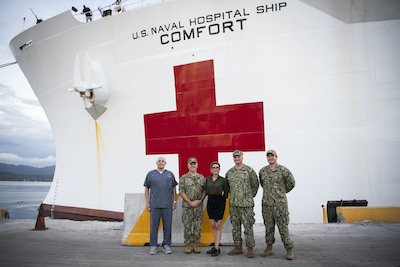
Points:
(24, 130)
(36, 162)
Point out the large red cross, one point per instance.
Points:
(199, 128)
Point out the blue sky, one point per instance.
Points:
(25, 133)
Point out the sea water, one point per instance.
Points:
(22, 199)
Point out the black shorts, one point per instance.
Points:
(216, 207)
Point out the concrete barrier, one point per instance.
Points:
(375, 214)
(136, 229)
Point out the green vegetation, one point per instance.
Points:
(9, 172)
(6, 176)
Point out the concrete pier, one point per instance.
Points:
(72, 243)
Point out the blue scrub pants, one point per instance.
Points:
(155, 215)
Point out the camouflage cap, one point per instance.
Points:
(237, 153)
(273, 152)
(192, 160)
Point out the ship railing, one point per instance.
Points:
(125, 5)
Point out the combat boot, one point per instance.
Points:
(250, 253)
(236, 250)
(196, 248)
(268, 251)
(289, 254)
(188, 249)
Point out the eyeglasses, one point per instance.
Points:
(214, 167)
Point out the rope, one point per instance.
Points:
(7, 64)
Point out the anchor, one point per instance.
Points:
(91, 84)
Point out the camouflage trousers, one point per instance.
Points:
(278, 215)
(245, 216)
(192, 219)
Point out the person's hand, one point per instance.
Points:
(173, 205)
(193, 204)
(148, 207)
(196, 203)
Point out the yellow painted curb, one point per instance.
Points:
(375, 214)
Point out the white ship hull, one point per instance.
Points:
(316, 81)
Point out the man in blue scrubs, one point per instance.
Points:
(160, 193)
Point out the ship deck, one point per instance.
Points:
(72, 243)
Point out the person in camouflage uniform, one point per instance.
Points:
(276, 180)
(192, 188)
(243, 186)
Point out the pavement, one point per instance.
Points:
(71, 243)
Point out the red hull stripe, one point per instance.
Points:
(80, 214)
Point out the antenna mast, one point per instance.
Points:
(37, 20)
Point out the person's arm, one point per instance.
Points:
(289, 180)
(146, 196)
(197, 202)
(226, 188)
(203, 196)
(254, 182)
(173, 198)
(227, 182)
(193, 204)
(260, 177)
(229, 187)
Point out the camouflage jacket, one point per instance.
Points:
(276, 183)
(192, 186)
(243, 186)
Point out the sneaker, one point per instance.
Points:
(216, 252)
(167, 249)
(211, 251)
(153, 250)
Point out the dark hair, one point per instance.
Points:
(215, 162)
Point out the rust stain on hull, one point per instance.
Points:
(99, 142)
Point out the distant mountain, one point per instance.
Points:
(10, 172)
